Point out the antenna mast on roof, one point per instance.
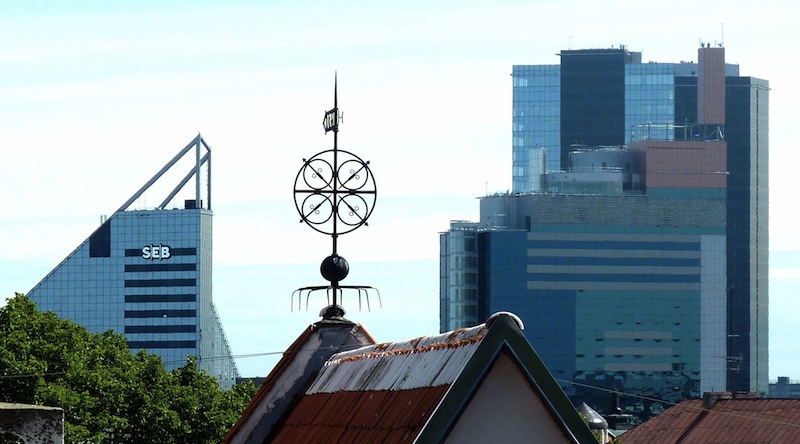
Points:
(334, 193)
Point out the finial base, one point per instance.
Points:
(332, 312)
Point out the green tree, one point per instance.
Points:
(108, 394)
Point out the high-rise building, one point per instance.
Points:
(636, 230)
(147, 273)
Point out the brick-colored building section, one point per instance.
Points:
(678, 164)
(711, 86)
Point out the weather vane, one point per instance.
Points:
(334, 193)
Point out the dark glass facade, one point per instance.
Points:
(747, 133)
(648, 273)
(747, 137)
(592, 98)
(609, 299)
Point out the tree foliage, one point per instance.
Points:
(109, 395)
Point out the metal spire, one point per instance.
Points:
(334, 193)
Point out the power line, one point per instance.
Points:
(198, 360)
(760, 416)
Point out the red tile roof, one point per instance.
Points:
(741, 421)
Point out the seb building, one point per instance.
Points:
(147, 273)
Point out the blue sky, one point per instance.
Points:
(96, 96)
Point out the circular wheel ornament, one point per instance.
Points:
(335, 192)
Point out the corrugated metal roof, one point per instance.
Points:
(428, 361)
(381, 393)
(403, 391)
(749, 420)
(292, 374)
(388, 416)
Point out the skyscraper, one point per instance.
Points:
(636, 230)
(147, 273)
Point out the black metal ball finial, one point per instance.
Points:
(334, 268)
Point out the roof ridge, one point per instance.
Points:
(422, 344)
(406, 351)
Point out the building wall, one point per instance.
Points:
(520, 211)
(536, 120)
(624, 292)
(711, 86)
(503, 281)
(649, 101)
(31, 424)
(784, 388)
(617, 308)
(506, 409)
(146, 274)
(592, 98)
(688, 311)
(608, 97)
(713, 315)
(684, 164)
(747, 134)
(458, 275)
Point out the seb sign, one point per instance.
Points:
(156, 252)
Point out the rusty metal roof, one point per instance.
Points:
(289, 378)
(386, 416)
(748, 420)
(428, 361)
(397, 392)
(380, 393)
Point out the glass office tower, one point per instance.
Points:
(536, 121)
(638, 255)
(148, 274)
